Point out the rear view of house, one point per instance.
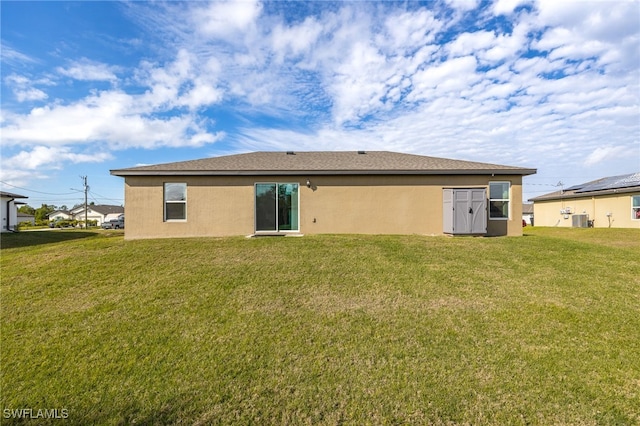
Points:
(286, 193)
(610, 202)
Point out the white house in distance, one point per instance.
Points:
(60, 215)
(23, 217)
(98, 212)
(9, 210)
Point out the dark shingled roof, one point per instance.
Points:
(107, 209)
(321, 162)
(100, 208)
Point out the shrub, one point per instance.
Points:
(65, 223)
(90, 222)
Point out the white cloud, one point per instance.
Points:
(463, 5)
(406, 31)
(116, 119)
(53, 157)
(185, 82)
(506, 46)
(201, 94)
(23, 89)
(602, 20)
(18, 177)
(554, 38)
(358, 84)
(17, 80)
(576, 30)
(86, 70)
(10, 55)
(226, 18)
(606, 152)
(297, 39)
(469, 43)
(506, 7)
(31, 94)
(445, 79)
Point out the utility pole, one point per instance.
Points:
(86, 190)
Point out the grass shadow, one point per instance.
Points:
(34, 238)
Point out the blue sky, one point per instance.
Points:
(93, 86)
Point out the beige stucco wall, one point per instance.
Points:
(547, 213)
(223, 206)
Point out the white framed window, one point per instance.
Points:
(175, 201)
(635, 207)
(499, 200)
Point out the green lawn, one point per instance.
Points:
(543, 329)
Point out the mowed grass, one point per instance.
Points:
(543, 329)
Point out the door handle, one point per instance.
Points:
(470, 210)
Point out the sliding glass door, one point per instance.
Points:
(266, 206)
(277, 207)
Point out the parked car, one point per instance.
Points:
(113, 224)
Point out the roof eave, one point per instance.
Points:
(502, 172)
(13, 196)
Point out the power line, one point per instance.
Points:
(104, 198)
(33, 190)
(93, 198)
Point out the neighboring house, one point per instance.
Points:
(279, 193)
(23, 217)
(60, 215)
(98, 212)
(527, 213)
(9, 210)
(610, 202)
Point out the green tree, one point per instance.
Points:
(27, 209)
(42, 213)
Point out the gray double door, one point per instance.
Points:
(464, 211)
